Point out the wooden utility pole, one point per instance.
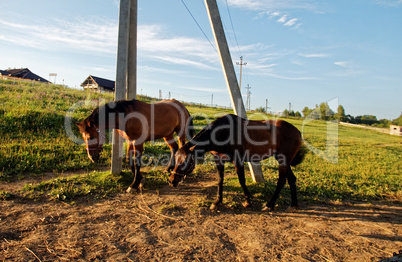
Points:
(126, 70)
(229, 73)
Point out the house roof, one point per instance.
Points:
(25, 73)
(4, 72)
(105, 83)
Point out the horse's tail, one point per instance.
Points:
(299, 156)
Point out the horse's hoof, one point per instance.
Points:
(142, 183)
(292, 209)
(267, 209)
(246, 204)
(213, 207)
(129, 189)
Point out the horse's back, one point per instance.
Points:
(287, 135)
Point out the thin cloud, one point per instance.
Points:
(291, 22)
(389, 3)
(99, 37)
(341, 63)
(59, 34)
(317, 55)
(271, 4)
(185, 62)
(282, 20)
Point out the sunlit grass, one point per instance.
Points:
(33, 141)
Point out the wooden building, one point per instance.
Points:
(23, 73)
(395, 130)
(97, 84)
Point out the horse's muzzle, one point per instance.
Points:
(174, 179)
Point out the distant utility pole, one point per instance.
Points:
(266, 106)
(248, 87)
(160, 94)
(212, 100)
(169, 95)
(241, 66)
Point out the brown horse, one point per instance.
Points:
(231, 138)
(137, 122)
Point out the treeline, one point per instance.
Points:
(324, 112)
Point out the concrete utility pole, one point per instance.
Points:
(212, 100)
(266, 106)
(241, 67)
(229, 72)
(248, 87)
(126, 70)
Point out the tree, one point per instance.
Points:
(285, 113)
(291, 113)
(325, 111)
(260, 109)
(297, 114)
(340, 114)
(306, 111)
(383, 123)
(397, 121)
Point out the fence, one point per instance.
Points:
(377, 129)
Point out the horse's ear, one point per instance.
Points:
(77, 124)
(191, 149)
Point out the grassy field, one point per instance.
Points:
(345, 163)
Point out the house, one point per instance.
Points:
(23, 73)
(4, 73)
(98, 84)
(395, 130)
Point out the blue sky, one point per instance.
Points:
(302, 52)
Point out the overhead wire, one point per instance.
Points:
(195, 20)
(234, 31)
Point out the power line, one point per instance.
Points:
(234, 31)
(195, 20)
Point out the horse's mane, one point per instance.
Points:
(205, 134)
(111, 107)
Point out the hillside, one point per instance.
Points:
(34, 141)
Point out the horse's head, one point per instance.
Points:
(185, 164)
(93, 138)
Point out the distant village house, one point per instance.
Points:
(22, 73)
(98, 84)
(395, 130)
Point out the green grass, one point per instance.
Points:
(364, 165)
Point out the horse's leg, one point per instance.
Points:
(220, 165)
(173, 149)
(242, 180)
(281, 182)
(135, 168)
(130, 152)
(181, 140)
(293, 192)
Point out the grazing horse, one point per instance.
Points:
(137, 122)
(231, 138)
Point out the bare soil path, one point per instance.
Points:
(174, 225)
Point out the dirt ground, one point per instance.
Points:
(175, 225)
